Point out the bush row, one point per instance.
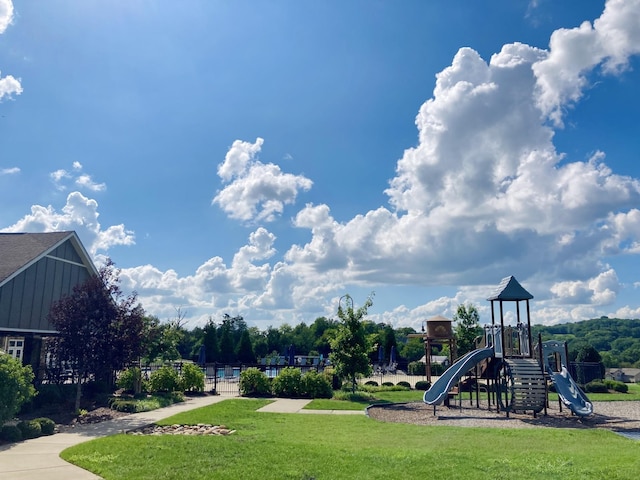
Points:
(144, 402)
(404, 385)
(597, 386)
(290, 383)
(165, 379)
(27, 429)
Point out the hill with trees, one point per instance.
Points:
(616, 339)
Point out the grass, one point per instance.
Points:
(306, 447)
(417, 395)
(632, 394)
(379, 397)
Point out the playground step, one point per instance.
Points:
(529, 385)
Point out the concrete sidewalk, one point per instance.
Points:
(39, 458)
(290, 405)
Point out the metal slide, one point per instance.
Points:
(570, 393)
(438, 391)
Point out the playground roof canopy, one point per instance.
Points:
(510, 290)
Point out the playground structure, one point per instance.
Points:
(515, 371)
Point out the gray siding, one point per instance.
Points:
(25, 300)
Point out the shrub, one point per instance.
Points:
(145, 403)
(383, 388)
(127, 405)
(131, 380)
(192, 378)
(10, 433)
(288, 383)
(596, 386)
(47, 426)
(254, 382)
(416, 368)
(315, 385)
(15, 386)
(165, 379)
(96, 388)
(358, 396)
(423, 385)
(617, 386)
(371, 383)
(30, 429)
(387, 384)
(404, 384)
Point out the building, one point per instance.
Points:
(626, 375)
(36, 270)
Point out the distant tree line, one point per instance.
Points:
(617, 340)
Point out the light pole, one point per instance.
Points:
(427, 353)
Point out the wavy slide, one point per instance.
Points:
(438, 391)
(571, 394)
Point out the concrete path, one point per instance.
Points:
(39, 459)
(289, 405)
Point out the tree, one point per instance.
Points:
(210, 341)
(259, 342)
(349, 346)
(100, 330)
(15, 386)
(467, 327)
(227, 345)
(161, 340)
(244, 350)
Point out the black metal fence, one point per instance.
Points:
(585, 372)
(224, 379)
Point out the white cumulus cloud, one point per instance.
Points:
(9, 86)
(9, 171)
(80, 214)
(62, 178)
(6, 14)
(573, 53)
(255, 191)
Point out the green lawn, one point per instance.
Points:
(416, 396)
(288, 446)
(632, 394)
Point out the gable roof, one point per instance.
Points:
(510, 290)
(20, 250)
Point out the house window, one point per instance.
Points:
(15, 347)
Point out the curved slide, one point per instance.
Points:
(571, 394)
(438, 391)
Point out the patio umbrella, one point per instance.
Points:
(202, 356)
(392, 355)
(380, 355)
(292, 355)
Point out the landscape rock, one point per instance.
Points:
(199, 429)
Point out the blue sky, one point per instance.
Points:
(265, 158)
